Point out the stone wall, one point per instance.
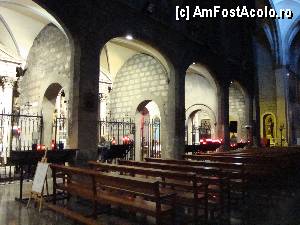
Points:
(48, 62)
(47, 72)
(141, 78)
(201, 95)
(237, 110)
(267, 81)
(199, 90)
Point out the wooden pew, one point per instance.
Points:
(263, 166)
(205, 171)
(233, 171)
(222, 165)
(131, 193)
(261, 170)
(191, 190)
(218, 186)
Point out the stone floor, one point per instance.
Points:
(282, 208)
(16, 213)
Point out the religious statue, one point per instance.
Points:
(269, 126)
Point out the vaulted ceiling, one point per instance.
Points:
(20, 23)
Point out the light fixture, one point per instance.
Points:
(194, 63)
(288, 74)
(129, 37)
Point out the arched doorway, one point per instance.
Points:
(133, 75)
(148, 132)
(39, 52)
(201, 124)
(55, 116)
(201, 103)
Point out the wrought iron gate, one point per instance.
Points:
(19, 132)
(122, 132)
(150, 138)
(198, 133)
(118, 132)
(60, 133)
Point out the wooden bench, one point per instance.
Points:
(253, 165)
(233, 171)
(191, 191)
(218, 187)
(131, 193)
(261, 170)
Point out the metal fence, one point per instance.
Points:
(122, 132)
(196, 134)
(60, 133)
(117, 131)
(19, 132)
(150, 138)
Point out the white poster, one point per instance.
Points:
(39, 177)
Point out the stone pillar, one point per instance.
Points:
(7, 103)
(83, 124)
(175, 118)
(189, 131)
(256, 122)
(250, 120)
(282, 104)
(224, 115)
(256, 111)
(138, 150)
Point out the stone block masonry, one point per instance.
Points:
(141, 77)
(237, 107)
(48, 62)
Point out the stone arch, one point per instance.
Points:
(293, 45)
(139, 83)
(271, 30)
(201, 96)
(48, 107)
(200, 107)
(203, 70)
(54, 18)
(207, 113)
(149, 126)
(292, 32)
(150, 39)
(42, 68)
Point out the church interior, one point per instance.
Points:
(119, 112)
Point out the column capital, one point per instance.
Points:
(7, 82)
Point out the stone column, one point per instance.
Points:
(7, 101)
(250, 120)
(224, 115)
(175, 132)
(256, 110)
(83, 125)
(282, 104)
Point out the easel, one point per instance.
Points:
(38, 196)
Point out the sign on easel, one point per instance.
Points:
(40, 177)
